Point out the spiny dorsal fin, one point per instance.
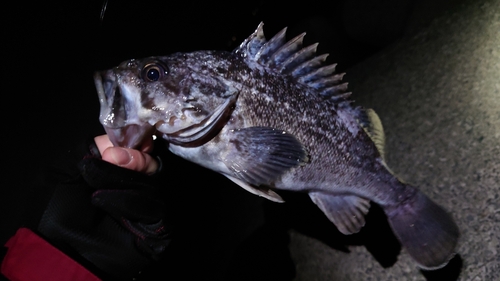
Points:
(290, 57)
(253, 43)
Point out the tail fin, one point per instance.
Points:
(428, 233)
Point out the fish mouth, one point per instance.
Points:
(122, 126)
(138, 137)
(113, 111)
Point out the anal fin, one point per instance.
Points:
(347, 212)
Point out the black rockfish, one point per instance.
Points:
(271, 115)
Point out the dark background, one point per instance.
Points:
(51, 50)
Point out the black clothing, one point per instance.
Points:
(182, 223)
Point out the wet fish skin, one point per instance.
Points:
(269, 116)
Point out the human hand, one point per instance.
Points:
(112, 214)
(131, 159)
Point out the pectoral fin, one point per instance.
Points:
(264, 192)
(347, 212)
(260, 155)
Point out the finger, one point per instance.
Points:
(102, 142)
(130, 159)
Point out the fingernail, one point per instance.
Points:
(121, 156)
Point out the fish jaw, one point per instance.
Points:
(131, 136)
(122, 125)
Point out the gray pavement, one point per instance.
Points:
(437, 92)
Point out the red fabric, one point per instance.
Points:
(30, 258)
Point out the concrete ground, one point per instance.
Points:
(437, 92)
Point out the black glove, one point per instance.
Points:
(110, 219)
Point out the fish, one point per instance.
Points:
(272, 115)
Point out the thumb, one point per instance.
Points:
(130, 159)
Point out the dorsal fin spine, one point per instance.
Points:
(287, 50)
(251, 45)
(326, 70)
(346, 103)
(322, 72)
(326, 81)
(339, 96)
(299, 57)
(307, 66)
(334, 90)
(270, 47)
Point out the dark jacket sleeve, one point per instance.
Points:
(183, 223)
(106, 218)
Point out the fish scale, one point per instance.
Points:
(270, 116)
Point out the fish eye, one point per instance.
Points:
(153, 72)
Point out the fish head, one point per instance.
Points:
(162, 96)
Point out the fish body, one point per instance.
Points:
(271, 115)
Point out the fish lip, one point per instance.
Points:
(120, 132)
(99, 87)
(100, 78)
(110, 100)
(133, 136)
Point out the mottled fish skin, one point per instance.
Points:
(342, 156)
(269, 116)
